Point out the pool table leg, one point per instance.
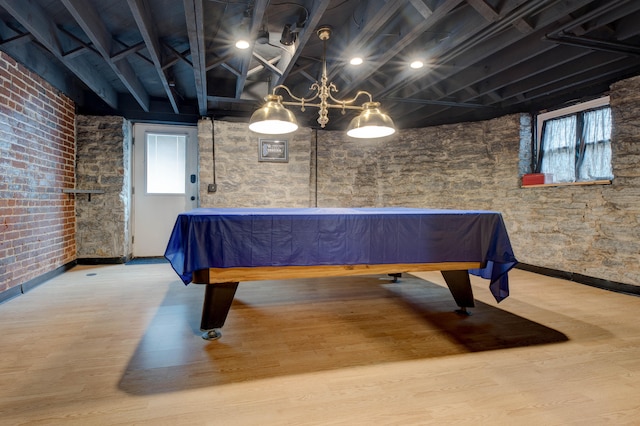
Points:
(217, 302)
(395, 276)
(460, 287)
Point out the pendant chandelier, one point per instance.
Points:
(274, 119)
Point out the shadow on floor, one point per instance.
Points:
(278, 328)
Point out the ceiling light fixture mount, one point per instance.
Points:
(274, 118)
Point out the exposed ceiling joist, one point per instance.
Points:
(142, 15)
(406, 39)
(35, 20)
(510, 67)
(164, 60)
(375, 16)
(93, 26)
(315, 16)
(195, 28)
(467, 40)
(259, 7)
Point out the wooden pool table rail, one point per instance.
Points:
(223, 282)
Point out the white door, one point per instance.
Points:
(165, 183)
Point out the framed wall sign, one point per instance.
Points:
(276, 150)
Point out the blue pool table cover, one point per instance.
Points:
(252, 237)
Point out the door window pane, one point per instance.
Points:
(165, 163)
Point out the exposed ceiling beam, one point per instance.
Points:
(129, 50)
(520, 52)
(443, 103)
(231, 69)
(430, 19)
(375, 16)
(82, 47)
(598, 16)
(627, 24)
(492, 15)
(465, 42)
(265, 64)
(232, 100)
(453, 60)
(484, 9)
(259, 8)
(15, 43)
(142, 15)
(34, 19)
(483, 58)
(550, 61)
(423, 9)
(315, 15)
(219, 61)
(495, 66)
(178, 56)
(93, 26)
(567, 76)
(518, 47)
(195, 29)
(302, 70)
(16, 39)
(591, 43)
(80, 50)
(231, 107)
(566, 73)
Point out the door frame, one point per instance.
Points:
(138, 188)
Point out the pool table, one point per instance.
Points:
(220, 247)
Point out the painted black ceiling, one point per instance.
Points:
(175, 61)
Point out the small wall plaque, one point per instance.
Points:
(276, 150)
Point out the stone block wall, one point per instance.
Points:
(104, 164)
(593, 230)
(467, 164)
(243, 181)
(37, 157)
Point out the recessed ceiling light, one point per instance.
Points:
(356, 61)
(242, 44)
(416, 64)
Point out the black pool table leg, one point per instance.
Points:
(217, 302)
(395, 276)
(460, 287)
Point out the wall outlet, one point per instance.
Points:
(212, 187)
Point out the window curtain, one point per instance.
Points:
(577, 147)
(558, 150)
(595, 159)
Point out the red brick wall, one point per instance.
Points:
(37, 147)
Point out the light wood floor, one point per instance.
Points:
(119, 344)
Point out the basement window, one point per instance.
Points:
(573, 145)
